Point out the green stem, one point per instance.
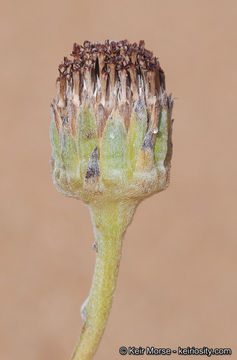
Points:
(110, 221)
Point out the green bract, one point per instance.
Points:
(123, 159)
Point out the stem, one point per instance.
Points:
(110, 221)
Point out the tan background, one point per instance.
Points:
(177, 284)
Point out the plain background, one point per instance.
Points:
(177, 281)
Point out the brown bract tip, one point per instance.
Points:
(120, 53)
(114, 75)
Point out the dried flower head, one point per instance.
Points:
(111, 122)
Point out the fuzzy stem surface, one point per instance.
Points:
(110, 222)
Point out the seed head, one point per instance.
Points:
(111, 123)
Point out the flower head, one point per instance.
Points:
(111, 123)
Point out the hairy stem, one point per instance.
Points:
(110, 221)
